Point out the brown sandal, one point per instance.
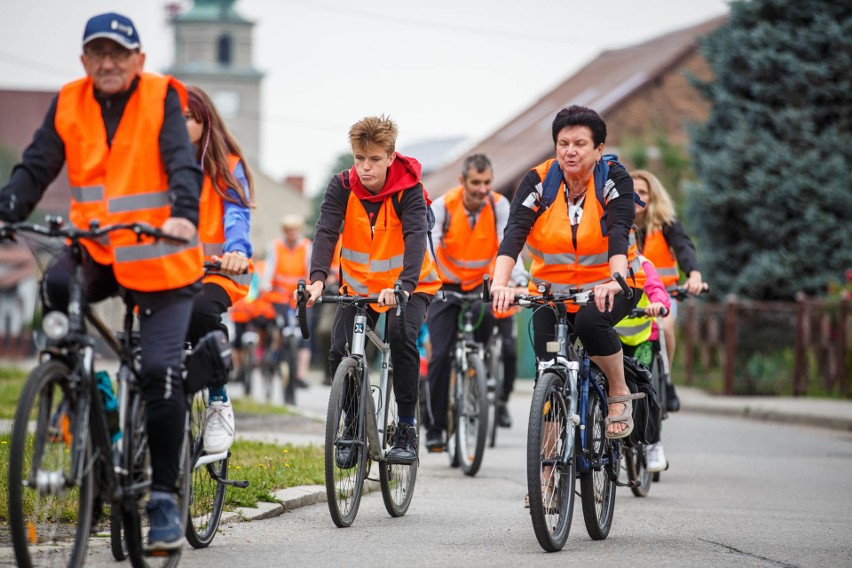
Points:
(626, 415)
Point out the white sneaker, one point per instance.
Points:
(218, 427)
(655, 458)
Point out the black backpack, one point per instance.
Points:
(647, 412)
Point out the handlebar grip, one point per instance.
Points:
(628, 291)
(486, 288)
(664, 311)
(302, 309)
(401, 298)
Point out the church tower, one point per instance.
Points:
(213, 50)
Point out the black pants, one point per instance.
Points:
(405, 357)
(593, 327)
(163, 323)
(442, 323)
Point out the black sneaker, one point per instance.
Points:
(404, 449)
(672, 401)
(435, 440)
(504, 419)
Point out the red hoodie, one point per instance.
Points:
(403, 173)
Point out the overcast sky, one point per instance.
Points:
(440, 68)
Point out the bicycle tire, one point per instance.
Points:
(288, 357)
(343, 486)
(637, 470)
(547, 434)
(49, 523)
(207, 494)
(452, 421)
(117, 543)
(396, 480)
(472, 426)
(495, 373)
(597, 490)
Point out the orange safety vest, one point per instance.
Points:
(657, 250)
(211, 231)
(291, 266)
(466, 254)
(124, 183)
(241, 310)
(334, 269)
(371, 258)
(554, 258)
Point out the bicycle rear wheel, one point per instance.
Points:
(637, 470)
(345, 443)
(397, 480)
(551, 470)
(597, 490)
(207, 494)
(472, 411)
(658, 380)
(50, 519)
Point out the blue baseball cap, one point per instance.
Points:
(116, 27)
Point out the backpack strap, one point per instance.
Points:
(430, 217)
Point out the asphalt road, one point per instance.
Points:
(739, 493)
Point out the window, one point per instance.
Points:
(223, 50)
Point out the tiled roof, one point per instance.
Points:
(603, 85)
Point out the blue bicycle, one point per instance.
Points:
(566, 434)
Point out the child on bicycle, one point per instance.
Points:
(379, 209)
(223, 228)
(637, 336)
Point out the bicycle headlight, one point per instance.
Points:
(55, 325)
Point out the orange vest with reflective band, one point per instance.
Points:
(657, 250)
(555, 260)
(211, 231)
(466, 254)
(125, 183)
(291, 266)
(261, 307)
(334, 269)
(371, 258)
(241, 310)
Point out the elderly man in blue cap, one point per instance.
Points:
(123, 136)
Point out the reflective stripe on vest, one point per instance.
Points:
(633, 331)
(138, 201)
(88, 194)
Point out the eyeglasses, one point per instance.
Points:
(119, 55)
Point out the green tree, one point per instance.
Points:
(773, 207)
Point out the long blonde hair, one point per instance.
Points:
(659, 211)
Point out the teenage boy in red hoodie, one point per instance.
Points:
(378, 208)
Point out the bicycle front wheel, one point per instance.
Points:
(397, 480)
(345, 444)
(472, 412)
(658, 380)
(495, 387)
(207, 494)
(50, 515)
(551, 467)
(597, 489)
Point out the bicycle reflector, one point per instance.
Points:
(55, 325)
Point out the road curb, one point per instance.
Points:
(773, 415)
(287, 499)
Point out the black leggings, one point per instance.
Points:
(593, 327)
(163, 322)
(403, 342)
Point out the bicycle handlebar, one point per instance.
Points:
(57, 228)
(680, 293)
(484, 296)
(401, 301)
(640, 313)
